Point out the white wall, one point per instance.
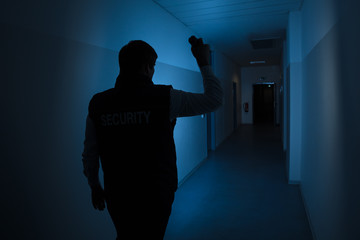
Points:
(109, 24)
(190, 132)
(349, 52)
(284, 95)
(293, 89)
(227, 72)
(321, 143)
(330, 114)
(251, 76)
(57, 54)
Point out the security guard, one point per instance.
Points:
(130, 129)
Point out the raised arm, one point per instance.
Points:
(183, 103)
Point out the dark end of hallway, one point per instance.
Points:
(241, 192)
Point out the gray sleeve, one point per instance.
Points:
(183, 104)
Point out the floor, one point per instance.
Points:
(240, 193)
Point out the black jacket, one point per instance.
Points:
(135, 136)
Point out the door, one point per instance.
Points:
(263, 103)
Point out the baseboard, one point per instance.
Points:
(192, 172)
(308, 214)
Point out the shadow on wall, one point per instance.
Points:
(47, 86)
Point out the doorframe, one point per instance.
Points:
(211, 137)
(235, 105)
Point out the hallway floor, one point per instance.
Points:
(240, 193)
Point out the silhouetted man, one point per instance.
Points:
(130, 129)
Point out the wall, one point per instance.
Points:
(190, 133)
(227, 72)
(56, 55)
(293, 89)
(284, 95)
(329, 117)
(110, 25)
(349, 52)
(252, 75)
(48, 82)
(349, 32)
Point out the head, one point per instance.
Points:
(137, 57)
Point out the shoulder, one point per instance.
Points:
(162, 88)
(104, 93)
(101, 97)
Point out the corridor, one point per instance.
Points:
(240, 193)
(57, 54)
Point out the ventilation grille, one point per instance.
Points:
(269, 43)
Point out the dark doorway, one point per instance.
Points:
(235, 104)
(263, 103)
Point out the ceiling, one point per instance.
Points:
(230, 25)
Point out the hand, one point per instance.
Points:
(200, 51)
(98, 198)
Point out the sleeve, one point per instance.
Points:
(183, 104)
(90, 155)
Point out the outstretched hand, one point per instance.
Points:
(98, 198)
(200, 51)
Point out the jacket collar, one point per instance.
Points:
(135, 80)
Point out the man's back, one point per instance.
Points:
(130, 127)
(135, 136)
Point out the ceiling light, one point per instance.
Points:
(257, 62)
